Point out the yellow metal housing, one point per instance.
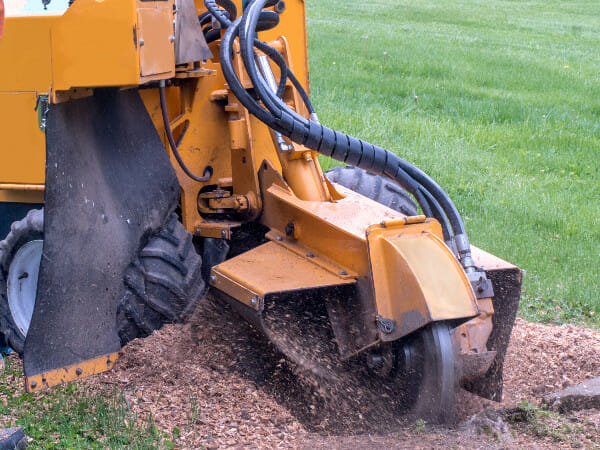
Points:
(416, 278)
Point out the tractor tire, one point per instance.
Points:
(20, 251)
(163, 283)
(375, 187)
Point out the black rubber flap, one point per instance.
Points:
(109, 184)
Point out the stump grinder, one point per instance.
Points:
(154, 148)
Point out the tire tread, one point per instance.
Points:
(375, 187)
(163, 284)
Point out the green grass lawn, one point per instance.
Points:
(71, 416)
(500, 102)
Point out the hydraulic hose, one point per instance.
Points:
(342, 147)
(165, 115)
(224, 17)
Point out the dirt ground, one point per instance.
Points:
(221, 384)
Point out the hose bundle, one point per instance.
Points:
(310, 133)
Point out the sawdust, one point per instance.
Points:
(544, 359)
(223, 385)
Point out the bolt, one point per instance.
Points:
(290, 229)
(224, 234)
(171, 39)
(141, 42)
(213, 278)
(254, 301)
(279, 238)
(78, 371)
(310, 255)
(343, 273)
(33, 385)
(280, 7)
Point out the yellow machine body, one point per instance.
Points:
(319, 234)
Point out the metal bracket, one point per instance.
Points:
(481, 285)
(386, 326)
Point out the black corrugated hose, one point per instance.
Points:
(208, 171)
(340, 146)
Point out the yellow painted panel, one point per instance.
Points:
(25, 54)
(293, 25)
(443, 282)
(157, 55)
(95, 43)
(23, 145)
(70, 373)
(416, 278)
(270, 268)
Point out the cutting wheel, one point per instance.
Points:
(428, 371)
(414, 375)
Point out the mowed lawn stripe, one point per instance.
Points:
(500, 102)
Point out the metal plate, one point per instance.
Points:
(270, 269)
(157, 54)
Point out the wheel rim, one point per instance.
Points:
(22, 283)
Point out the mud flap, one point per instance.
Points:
(109, 185)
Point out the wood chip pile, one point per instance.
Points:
(223, 385)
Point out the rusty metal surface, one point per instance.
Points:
(74, 372)
(474, 334)
(475, 365)
(506, 281)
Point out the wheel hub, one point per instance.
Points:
(22, 283)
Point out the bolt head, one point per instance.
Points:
(33, 384)
(254, 301)
(343, 273)
(78, 371)
(223, 234)
(279, 238)
(290, 229)
(280, 7)
(213, 278)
